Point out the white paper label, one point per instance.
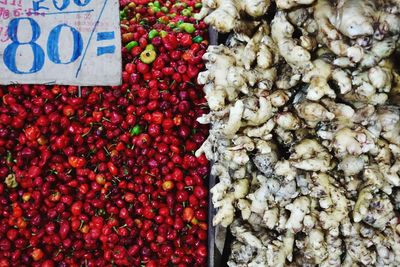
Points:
(71, 42)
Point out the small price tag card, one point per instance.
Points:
(71, 42)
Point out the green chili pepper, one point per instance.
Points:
(164, 9)
(157, 4)
(136, 130)
(155, 9)
(187, 27)
(180, 4)
(131, 45)
(122, 15)
(163, 19)
(148, 56)
(186, 12)
(9, 158)
(149, 47)
(163, 33)
(153, 33)
(197, 39)
(198, 5)
(101, 212)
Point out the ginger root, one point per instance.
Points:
(224, 15)
(305, 130)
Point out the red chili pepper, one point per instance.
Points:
(157, 117)
(76, 208)
(188, 214)
(45, 155)
(111, 167)
(17, 210)
(55, 196)
(168, 185)
(186, 40)
(201, 251)
(37, 254)
(32, 133)
(168, 71)
(170, 42)
(192, 71)
(158, 64)
(76, 162)
(34, 171)
(149, 213)
(64, 229)
(136, 51)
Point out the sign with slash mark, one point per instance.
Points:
(74, 42)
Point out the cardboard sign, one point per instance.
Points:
(71, 42)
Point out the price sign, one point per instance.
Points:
(74, 42)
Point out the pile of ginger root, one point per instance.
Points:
(305, 130)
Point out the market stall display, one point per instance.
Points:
(245, 133)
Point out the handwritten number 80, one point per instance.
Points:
(38, 54)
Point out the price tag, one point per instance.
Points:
(74, 42)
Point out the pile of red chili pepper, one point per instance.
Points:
(106, 176)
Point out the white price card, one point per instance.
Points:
(71, 42)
